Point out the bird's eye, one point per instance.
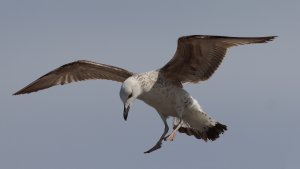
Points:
(130, 95)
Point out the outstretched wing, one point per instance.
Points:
(76, 71)
(197, 57)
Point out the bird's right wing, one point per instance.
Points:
(198, 56)
(76, 71)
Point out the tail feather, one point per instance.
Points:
(190, 132)
(198, 123)
(214, 132)
(209, 133)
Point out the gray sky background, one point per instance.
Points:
(255, 91)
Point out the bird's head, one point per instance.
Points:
(130, 90)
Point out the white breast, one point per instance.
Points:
(161, 94)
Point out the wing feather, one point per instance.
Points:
(76, 71)
(198, 56)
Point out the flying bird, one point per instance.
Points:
(197, 57)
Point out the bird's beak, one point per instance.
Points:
(126, 110)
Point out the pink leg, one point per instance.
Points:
(172, 136)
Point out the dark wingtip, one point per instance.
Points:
(22, 91)
(17, 93)
(270, 38)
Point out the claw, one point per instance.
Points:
(170, 137)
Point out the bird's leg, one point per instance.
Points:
(172, 136)
(159, 142)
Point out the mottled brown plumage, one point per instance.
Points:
(210, 133)
(76, 71)
(197, 57)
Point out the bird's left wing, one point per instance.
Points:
(198, 56)
(76, 71)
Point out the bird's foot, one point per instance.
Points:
(157, 146)
(170, 137)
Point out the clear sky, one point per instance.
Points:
(255, 92)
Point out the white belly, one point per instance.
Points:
(167, 100)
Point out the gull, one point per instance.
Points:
(197, 57)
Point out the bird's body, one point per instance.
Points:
(196, 59)
(171, 100)
(159, 93)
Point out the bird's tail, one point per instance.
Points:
(211, 132)
(199, 124)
